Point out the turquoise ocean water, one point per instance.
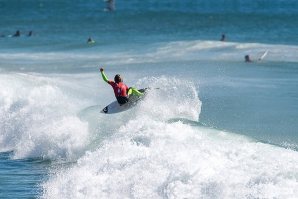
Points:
(217, 128)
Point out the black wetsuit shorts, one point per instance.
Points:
(122, 100)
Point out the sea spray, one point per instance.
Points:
(170, 97)
(38, 120)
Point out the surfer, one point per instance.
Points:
(18, 34)
(90, 41)
(31, 33)
(247, 59)
(223, 38)
(111, 5)
(120, 89)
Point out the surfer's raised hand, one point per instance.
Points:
(101, 69)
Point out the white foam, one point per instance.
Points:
(38, 120)
(144, 153)
(173, 98)
(151, 159)
(150, 155)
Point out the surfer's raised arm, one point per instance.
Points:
(104, 77)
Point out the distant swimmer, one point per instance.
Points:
(223, 38)
(18, 34)
(111, 5)
(121, 90)
(31, 33)
(247, 58)
(90, 41)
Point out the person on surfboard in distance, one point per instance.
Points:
(247, 59)
(121, 90)
(90, 41)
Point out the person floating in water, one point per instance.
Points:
(223, 38)
(18, 34)
(90, 41)
(111, 5)
(247, 59)
(120, 89)
(31, 33)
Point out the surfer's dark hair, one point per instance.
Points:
(118, 78)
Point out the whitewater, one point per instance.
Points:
(217, 127)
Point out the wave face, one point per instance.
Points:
(153, 156)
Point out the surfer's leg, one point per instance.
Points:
(134, 91)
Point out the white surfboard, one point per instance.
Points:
(262, 57)
(115, 107)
